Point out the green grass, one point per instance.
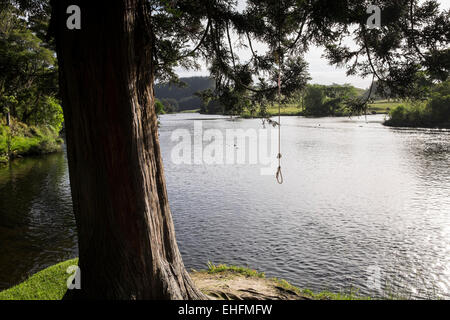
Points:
(352, 294)
(27, 140)
(221, 268)
(48, 284)
(384, 106)
(190, 111)
(286, 110)
(292, 109)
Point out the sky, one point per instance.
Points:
(320, 70)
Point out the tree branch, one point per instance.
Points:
(299, 33)
(200, 42)
(368, 54)
(231, 47)
(411, 12)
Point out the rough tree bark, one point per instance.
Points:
(127, 245)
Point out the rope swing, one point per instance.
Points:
(279, 174)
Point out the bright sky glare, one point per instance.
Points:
(320, 70)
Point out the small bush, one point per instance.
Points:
(159, 107)
(433, 113)
(439, 109)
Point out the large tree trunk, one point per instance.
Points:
(127, 245)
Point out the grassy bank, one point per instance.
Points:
(380, 107)
(24, 140)
(50, 284)
(190, 111)
(383, 106)
(434, 113)
(286, 110)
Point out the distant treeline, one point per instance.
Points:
(315, 100)
(180, 98)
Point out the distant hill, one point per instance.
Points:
(185, 95)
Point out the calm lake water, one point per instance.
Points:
(363, 206)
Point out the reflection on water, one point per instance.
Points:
(37, 228)
(356, 197)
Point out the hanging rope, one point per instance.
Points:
(368, 97)
(279, 174)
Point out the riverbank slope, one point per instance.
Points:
(20, 140)
(220, 282)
